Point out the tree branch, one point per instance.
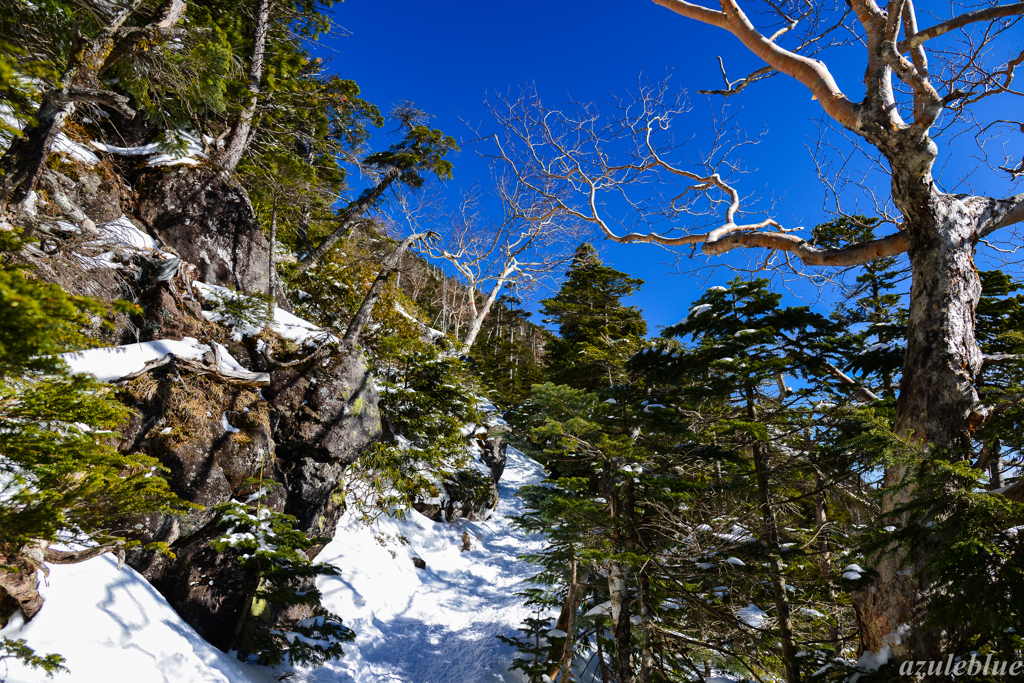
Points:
(811, 73)
(996, 12)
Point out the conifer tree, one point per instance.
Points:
(596, 333)
(61, 478)
(507, 352)
(755, 436)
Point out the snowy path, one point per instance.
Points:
(437, 624)
(434, 625)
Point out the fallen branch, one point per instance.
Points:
(240, 378)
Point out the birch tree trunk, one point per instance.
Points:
(238, 141)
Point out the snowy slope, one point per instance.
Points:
(433, 625)
(437, 624)
(113, 627)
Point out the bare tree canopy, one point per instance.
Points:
(630, 174)
(520, 250)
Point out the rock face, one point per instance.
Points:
(210, 223)
(326, 415)
(302, 431)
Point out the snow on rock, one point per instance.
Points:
(114, 362)
(191, 155)
(123, 231)
(65, 145)
(113, 627)
(438, 623)
(285, 324)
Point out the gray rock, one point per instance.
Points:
(209, 221)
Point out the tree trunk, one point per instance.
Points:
(477, 321)
(937, 389)
(647, 647)
(347, 220)
(575, 589)
(362, 316)
(618, 591)
(22, 164)
(272, 263)
(771, 525)
(238, 141)
(567, 621)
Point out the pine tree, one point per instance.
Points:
(596, 333)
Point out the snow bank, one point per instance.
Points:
(114, 362)
(113, 627)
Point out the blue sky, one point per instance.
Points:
(448, 55)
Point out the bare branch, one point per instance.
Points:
(920, 38)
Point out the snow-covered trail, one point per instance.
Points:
(437, 624)
(432, 625)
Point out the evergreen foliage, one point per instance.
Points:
(61, 478)
(427, 398)
(273, 552)
(508, 352)
(18, 650)
(596, 333)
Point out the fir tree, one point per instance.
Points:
(61, 478)
(596, 333)
(270, 549)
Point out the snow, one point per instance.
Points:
(191, 156)
(65, 145)
(227, 425)
(873, 661)
(853, 568)
(110, 363)
(851, 576)
(751, 615)
(412, 626)
(113, 627)
(123, 231)
(439, 623)
(285, 324)
(736, 561)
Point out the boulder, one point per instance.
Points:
(207, 220)
(326, 415)
(465, 494)
(314, 419)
